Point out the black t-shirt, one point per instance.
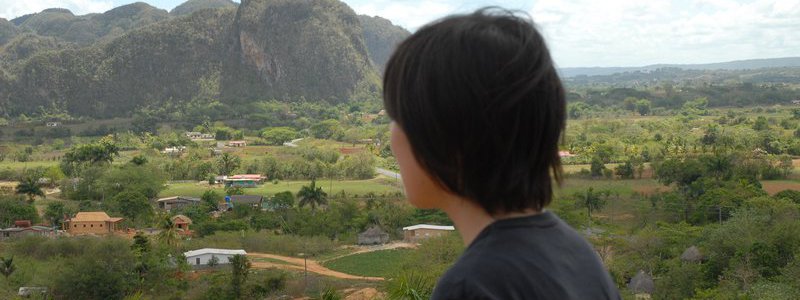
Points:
(535, 257)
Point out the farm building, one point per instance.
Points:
(24, 228)
(254, 201)
(642, 285)
(424, 231)
(373, 236)
(243, 180)
(96, 222)
(177, 202)
(237, 143)
(201, 257)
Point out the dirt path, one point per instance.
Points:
(365, 249)
(293, 263)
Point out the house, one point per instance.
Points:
(53, 124)
(182, 223)
(796, 101)
(177, 202)
(95, 222)
(642, 285)
(243, 180)
(244, 200)
(350, 150)
(174, 150)
(424, 231)
(563, 154)
(373, 236)
(195, 136)
(24, 228)
(237, 143)
(201, 257)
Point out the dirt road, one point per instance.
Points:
(294, 263)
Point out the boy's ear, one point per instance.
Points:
(420, 187)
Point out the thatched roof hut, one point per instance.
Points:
(692, 254)
(373, 236)
(642, 283)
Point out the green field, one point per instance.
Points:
(351, 187)
(383, 263)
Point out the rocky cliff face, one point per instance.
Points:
(297, 48)
(381, 38)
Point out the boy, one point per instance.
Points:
(477, 110)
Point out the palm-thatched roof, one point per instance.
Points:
(373, 232)
(642, 283)
(692, 254)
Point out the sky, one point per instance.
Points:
(585, 33)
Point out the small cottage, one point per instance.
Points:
(692, 255)
(95, 222)
(24, 228)
(182, 223)
(237, 143)
(177, 202)
(642, 285)
(373, 236)
(423, 231)
(201, 257)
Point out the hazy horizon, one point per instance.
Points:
(584, 33)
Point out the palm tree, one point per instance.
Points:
(169, 234)
(312, 195)
(30, 186)
(7, 266)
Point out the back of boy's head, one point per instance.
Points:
(482, 106)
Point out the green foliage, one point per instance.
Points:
(14, 208)
(228, 163)
(278, 135)
(55, 211)
(312, 195)
(104, 270)
(79, 157)
(383, 263)
(133, 205)
(7, 266)
(240, 266)
(30, 187)
(411, 286)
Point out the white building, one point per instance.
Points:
(423, 231)
(201, 257)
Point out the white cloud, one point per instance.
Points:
(624, 33)
(10, 9)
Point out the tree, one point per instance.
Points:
(133, 205)
(312, 195)
(102, 152)
(591, 200)
(761, 123)
(7, 266)
(597, 167)
(240, 266)
(624, 171)
(54, 212)
(30, 186)
(169, 234)
(278, 135)
(643, 107)
(283, 200)
(139, 160)
(210, 200)
(228, 163)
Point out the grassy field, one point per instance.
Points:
(378, 263)
(351, 187)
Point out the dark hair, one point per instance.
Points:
(483, 107)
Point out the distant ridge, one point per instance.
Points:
(730, 65)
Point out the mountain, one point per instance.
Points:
(84, 30)
(381, 37)
(731, 65)
(264, 49)
(191, 6)
(7, 31)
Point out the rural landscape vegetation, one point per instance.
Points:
(684, 178)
